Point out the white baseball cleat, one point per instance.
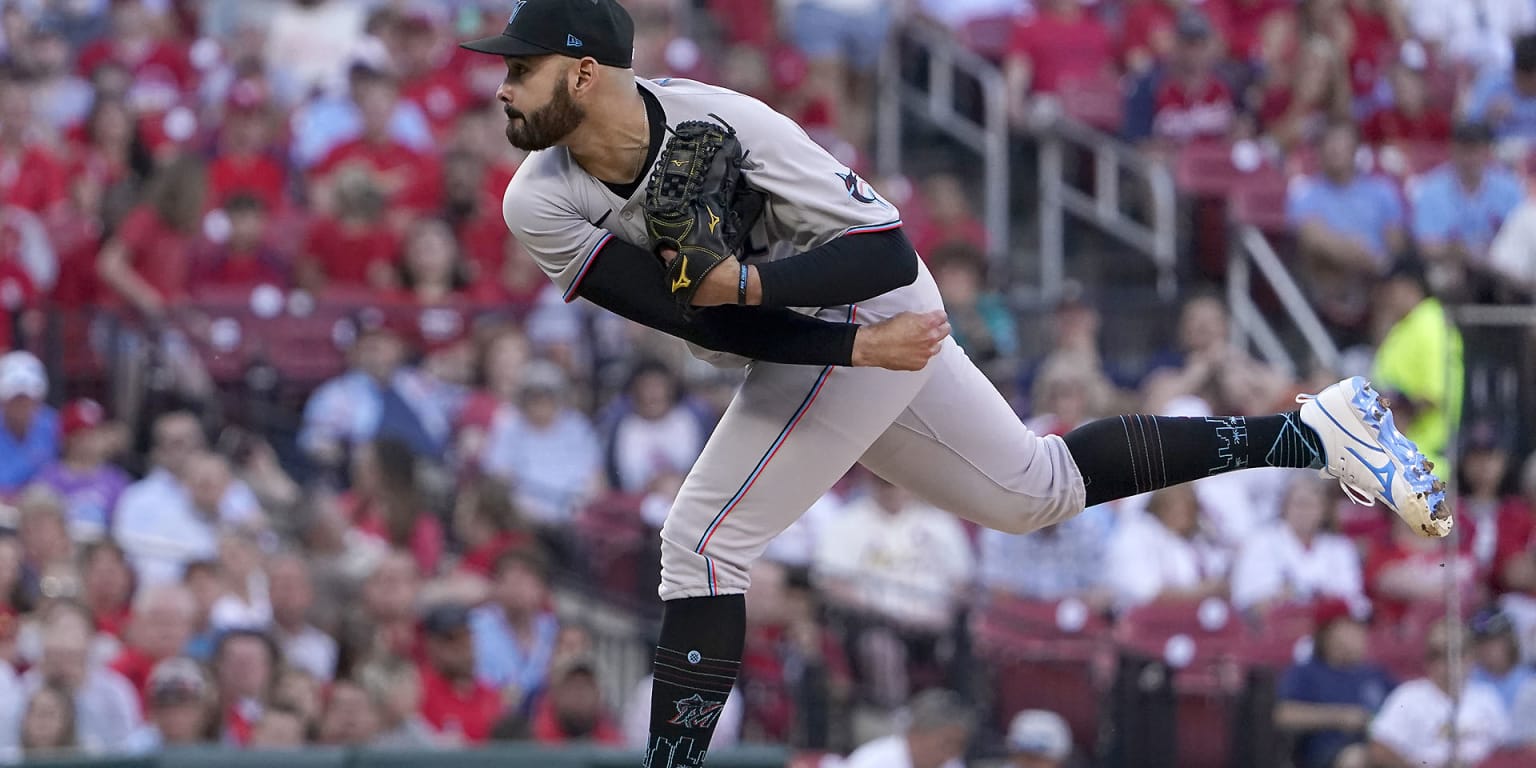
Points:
(1371, 459)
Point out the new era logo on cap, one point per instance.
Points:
(572, 41)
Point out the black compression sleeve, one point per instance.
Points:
(848, 270)
(631, 283)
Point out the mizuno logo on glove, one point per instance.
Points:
(682, 280)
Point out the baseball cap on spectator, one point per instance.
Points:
(445, 619)
(177, 680)
(1040, 733)
(599, 29)
(22, 375)
(1327, 610)
(80, 415)
(1472, 132)
(1483, 436)
(1491, 623)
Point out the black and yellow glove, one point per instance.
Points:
(693, 205)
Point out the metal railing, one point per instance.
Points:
(935, 102)
(1114, 163)
(1250, 252)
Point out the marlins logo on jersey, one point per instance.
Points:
(858, 189)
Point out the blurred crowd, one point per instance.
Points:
(302, 197)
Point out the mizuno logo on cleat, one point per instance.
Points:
(1384, 473)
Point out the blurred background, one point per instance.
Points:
(300, 451)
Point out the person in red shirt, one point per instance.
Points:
(386, 504)
(1149, 33)
(432, 271)
(411, 182)
(427, 80)
(244, 665)
(1302, 94)
(488, 524)
(1189, 102)
(453, 702)
(951, 217)
(160, 70)
(245, 258)
(353, 247)
(1407, 577)
(30, 177)
(148, 261)
(107, 583)
(571, 709)
(1408, 117)
(1062, 45)
(158, 629)
(243, 163)
(1500, 527)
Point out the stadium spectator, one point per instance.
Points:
(301, 693)
(1328, 701)
(1164, 554)
(459, 707)
(843, 41)
(202, 579)
(571, 710)
(1505, 97)
(1300, 95)
(30, 176)
(899, 569)
(395, 687)
(1408, 575)
(350, 247)
(49, 724)
(487, 523)
(385, 502)
(427, 78)
(106, 587)
(1458, 209)
(379, 396)
(497, 268)
(29, 438)
(433, 272)
(1498, 526)
(1409, 117)
(160, 70)
(174, 515)
(384, 621)
(947, 217)
(178, 707)
(1298, 558)
(547, 451)
(514, 632)
(148, 263)
(1038, 738)
(83, 475)
(1414, 726)
(292, 594)
(1184, 99)
(1349, 228)
(244, 670)
(1068, 557)
(244, 256)
(1473, 37)
(1419, 360)
(795, 677)
(981, 322)
(1494, 657)
(43, 532)
(158, 629)
(409, 178)
(244, 164)
(243, 600)
(106, 704)
(939, 725)
(1512, 255)
(1068, 391)
(350, 718)
(311, 42)
(60, 98)
(652, 430)
(1149, 34)
(279, 728)
(1062, 45)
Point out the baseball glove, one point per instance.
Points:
(696, 204)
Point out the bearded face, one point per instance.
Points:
(549, 124)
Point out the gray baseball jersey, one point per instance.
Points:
(943, 433)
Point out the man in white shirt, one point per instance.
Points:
(1294, 559)
(1162, 554)
(172, 516)
(292, 592)
(1413, 728)
(106, 705)
(938, 728)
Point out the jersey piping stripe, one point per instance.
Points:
(886, 227)
(762, 463)
(570, 293)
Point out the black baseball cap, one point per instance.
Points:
(600, 29)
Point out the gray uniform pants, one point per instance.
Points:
(944, 433)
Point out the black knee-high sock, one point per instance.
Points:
(696, 664)
(1127, 455)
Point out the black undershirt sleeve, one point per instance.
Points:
(631, 283)
(847, 270)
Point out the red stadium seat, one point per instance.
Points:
(1099, 102)
(1047, 655)
(1511, 758)
(613, 538)
(989, 36)
(1259, 199)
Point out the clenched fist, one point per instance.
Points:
(905, 342)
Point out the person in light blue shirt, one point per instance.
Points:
(514, 634)
(547, 451)
(29, 429)
(331, 120)
(1459, 207)
(1349, 229)
(1506, 99)
(1495, 657)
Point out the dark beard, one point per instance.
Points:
(547, 125)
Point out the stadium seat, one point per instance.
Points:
(1510, 758)
(1205, 169)
(989, 36)
(1099, 102)
(1259, 199)
(1047, 655)
(613, 541)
